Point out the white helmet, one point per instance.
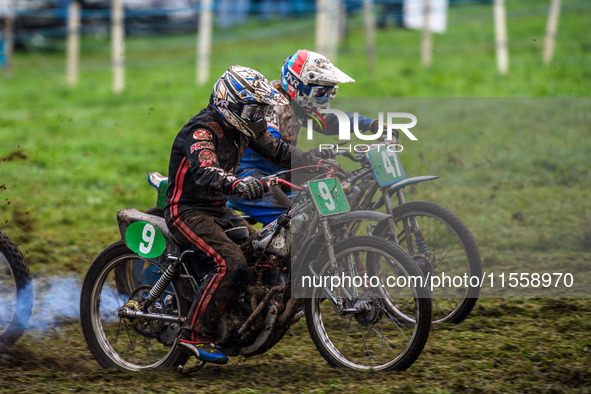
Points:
(311, 79)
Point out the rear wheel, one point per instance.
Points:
(369, 324)
(16, 292)
(442, 246)
(129, 343)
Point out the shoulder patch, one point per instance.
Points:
(202, 135)
(217, 129)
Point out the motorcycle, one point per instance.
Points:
(435, 238)
(137, 292)
(16, 292)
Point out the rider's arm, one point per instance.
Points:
(203, 162)
(280, 152)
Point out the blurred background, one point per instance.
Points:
(374, 40)
(91, 99)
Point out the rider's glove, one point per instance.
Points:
(249, 188)
(375, 125)
(325, 153)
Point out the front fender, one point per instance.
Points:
(357, 215)
(410, 181)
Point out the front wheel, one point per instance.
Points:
(444, 249)
(375, 318)
(124, 342)
(16, 292)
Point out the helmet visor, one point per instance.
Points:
(323, 91)
(254, 113)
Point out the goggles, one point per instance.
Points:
(249, 112)
(318, 91)
(253, 113)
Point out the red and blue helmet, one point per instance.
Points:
(311, 79)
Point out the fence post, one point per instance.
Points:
(117, 45)
(73, 51)
(370, 33)
(551, 30)
(7, 42)
(501, 36)
(204, 41)
(426, 41)
(321, 21)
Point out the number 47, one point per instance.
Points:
(391, 165)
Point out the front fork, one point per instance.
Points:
(343, 294)
(410, 226)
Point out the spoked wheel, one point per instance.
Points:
(369, 323)
(129, 343)
(443, 248)
(16, 292)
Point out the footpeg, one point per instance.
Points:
(184, 370)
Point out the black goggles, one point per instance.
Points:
(249, 112)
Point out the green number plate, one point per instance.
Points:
(328, 196)
(145, 239)
(386, 166)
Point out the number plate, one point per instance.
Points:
(386, 166)
(145, 239)
(328, 196)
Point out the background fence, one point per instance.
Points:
(84, 30)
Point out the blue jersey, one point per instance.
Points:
(254, 164)
(269, 207)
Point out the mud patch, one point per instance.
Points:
(16, 155)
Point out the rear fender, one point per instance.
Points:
(147, 243)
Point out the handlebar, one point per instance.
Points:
(273, 180)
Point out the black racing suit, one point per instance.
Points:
(204, 156)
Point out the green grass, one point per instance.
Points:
(515, 170)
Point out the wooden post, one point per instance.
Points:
(426, 41)
(501, 36)
(342, 19)
(551, 30)
(204, 41)
(370, 33)
(117, 45)
(8, 37)
(73, 51)
(332, 33)
(321, 22)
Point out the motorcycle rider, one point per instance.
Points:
(204, 157)
(308, 80)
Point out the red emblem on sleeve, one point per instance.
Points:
(217, 129)
(202, 135)
(207, 158)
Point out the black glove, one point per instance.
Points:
(249, 188)
(325, 153)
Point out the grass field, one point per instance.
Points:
(515, 170)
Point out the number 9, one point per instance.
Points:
(325, 194)
(148, 236)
